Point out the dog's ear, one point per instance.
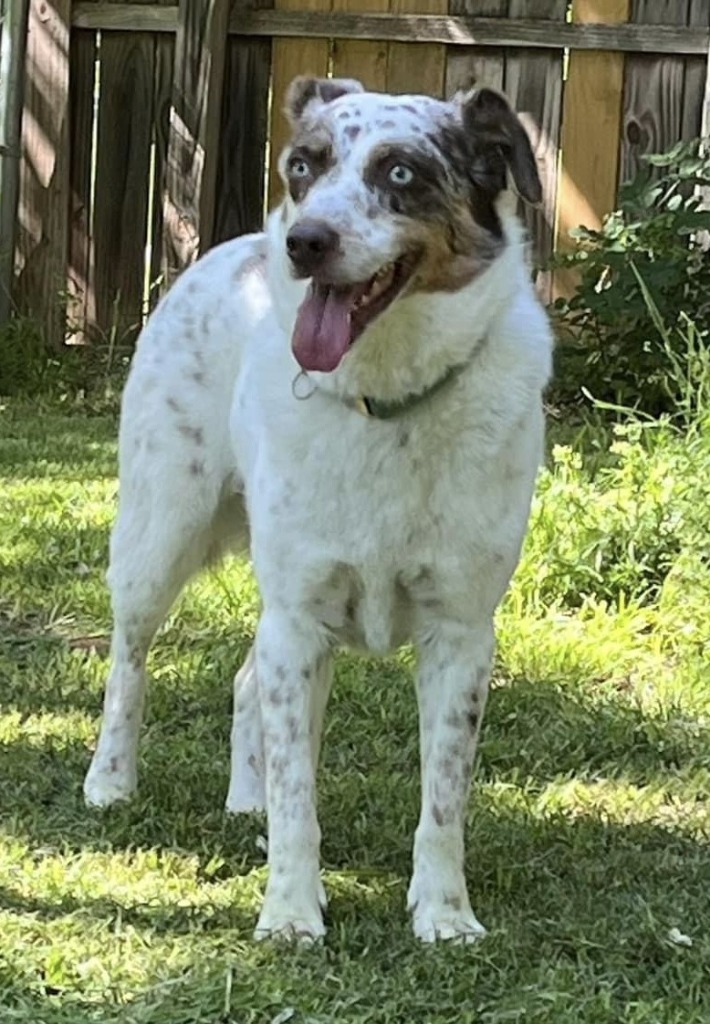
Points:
(303, 91)
(492, 126)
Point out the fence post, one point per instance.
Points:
(13, 36)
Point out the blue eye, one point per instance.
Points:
(298, 167)
(400, 175)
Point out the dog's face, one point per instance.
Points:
(388, 196)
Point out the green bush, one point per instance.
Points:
(640, 317)
(29, 367)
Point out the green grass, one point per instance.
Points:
(588, 830)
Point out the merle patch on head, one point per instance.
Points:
(304, 91)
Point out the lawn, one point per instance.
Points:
(588, 829)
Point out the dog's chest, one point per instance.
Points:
(373, 529)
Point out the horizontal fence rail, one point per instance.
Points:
(412, 28)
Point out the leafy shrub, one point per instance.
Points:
(624, 348)
(29, 367)
(620, 518)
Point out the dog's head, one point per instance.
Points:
(388, 196)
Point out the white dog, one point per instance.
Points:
(355, 395)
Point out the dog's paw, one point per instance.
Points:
(105, 785)
(434, 924)
(299, 925)
(245, 796)
(443, 914)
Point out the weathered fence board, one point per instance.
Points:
(696, 73)
(125, 118)
(411, 68)
(422, 29)
(13, 36)
(81, 309)
(485, 67)
(361, 59)
(654, 90)
(190, 122)
(193, 144)
(44, 199)
(164, 66)
(591, 127)
(533, 81)
(243, 137)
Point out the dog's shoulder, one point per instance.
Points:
(227, 279)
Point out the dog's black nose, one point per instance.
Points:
(309, 244)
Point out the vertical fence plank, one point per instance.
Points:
(44, 185)
(591, 129)
(13, 37)
(193, 147)
(243, 136)
(163, 62)
(484, 66)
(695, 77)
(81, 306)
(415, 67)
(533, 81)
(653, 92)
(122, 174)
(291, 57)
(360, 58)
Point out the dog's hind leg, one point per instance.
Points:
(161, 538)
(454, 665)
(247, 783)
(247, 786)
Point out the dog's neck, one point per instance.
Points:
(417, 342)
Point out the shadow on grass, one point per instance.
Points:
(535, 733)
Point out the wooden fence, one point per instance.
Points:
(148, 127)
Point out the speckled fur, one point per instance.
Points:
(361, 532)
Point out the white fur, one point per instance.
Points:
(366, 532)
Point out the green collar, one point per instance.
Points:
(373, 408)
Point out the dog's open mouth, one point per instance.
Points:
(332, 317)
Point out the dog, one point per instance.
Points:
(354, 396)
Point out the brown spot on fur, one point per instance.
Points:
(197, 468)
(352, 131)
(437, 815)
(275, 697)
(113, 765)
(452, 901)
(280, 673)
(173, 404)
(195, 434)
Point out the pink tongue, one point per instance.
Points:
(322, 334)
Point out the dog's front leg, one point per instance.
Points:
(454, 665)
(289, 659)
